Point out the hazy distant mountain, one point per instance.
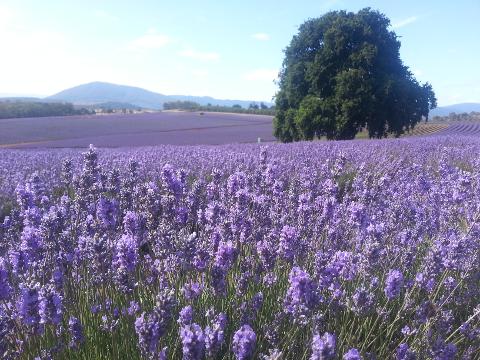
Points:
(456, 108)
(101, 92)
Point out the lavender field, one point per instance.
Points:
(147, 129)
(339, 250)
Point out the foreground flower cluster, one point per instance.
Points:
(353, 250)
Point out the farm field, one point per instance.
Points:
(178, 128)
(163, 128)
(471, 128)
(321, 250)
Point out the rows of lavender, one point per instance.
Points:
(347, 250)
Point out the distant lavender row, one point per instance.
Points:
(461, 128)
(341, 250)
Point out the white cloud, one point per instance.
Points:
(404, 22)
(200, 55)
(151, 40)
(261, 36)
(261, 75)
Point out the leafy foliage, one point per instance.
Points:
(23, 109)
(253, 108)
(342, 72)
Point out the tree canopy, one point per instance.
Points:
(236, 108)
(342, 72)
(23, 109)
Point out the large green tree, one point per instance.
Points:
(342, 72)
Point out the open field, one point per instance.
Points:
(422, 129)
(467, 128)
(237, 251)
(176, 128)
(164, 128)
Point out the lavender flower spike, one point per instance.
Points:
(323, 347)
(393, 284)
(244, 343)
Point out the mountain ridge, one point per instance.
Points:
(103, 92)
(100, 93)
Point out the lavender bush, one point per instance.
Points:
(344, 250)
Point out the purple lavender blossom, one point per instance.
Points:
(257, 301)
(164, 305)
(149, 329)
(225, 255)
(288, 242)
(76, 332)
(125, 261)
(186, 316)
(32, 243)
(273, 354)
(131, 223)
(5, 288)
(215, 334)
(362, 301)
(107, 212)
(393, 284)
(243, 344)
(133, 308)
(219, 280)
(51, 306)
(323, 347)
(28, 304)
(301, 295)
(267, 251)
(443, 351)
(5, 331)
(352, 354)
(25, 198)
(193, 342)
(404, 353)
(172, 183)
(162, 355)
(343, 264)
(192, 290)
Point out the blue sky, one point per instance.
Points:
(225, 49)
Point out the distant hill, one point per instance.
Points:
(456, 108)
(108, 95)
(102, 92)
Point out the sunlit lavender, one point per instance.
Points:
(343, 250)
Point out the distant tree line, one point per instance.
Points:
(472, 116)
(253, 108)
(181, 105)
(22, 109)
